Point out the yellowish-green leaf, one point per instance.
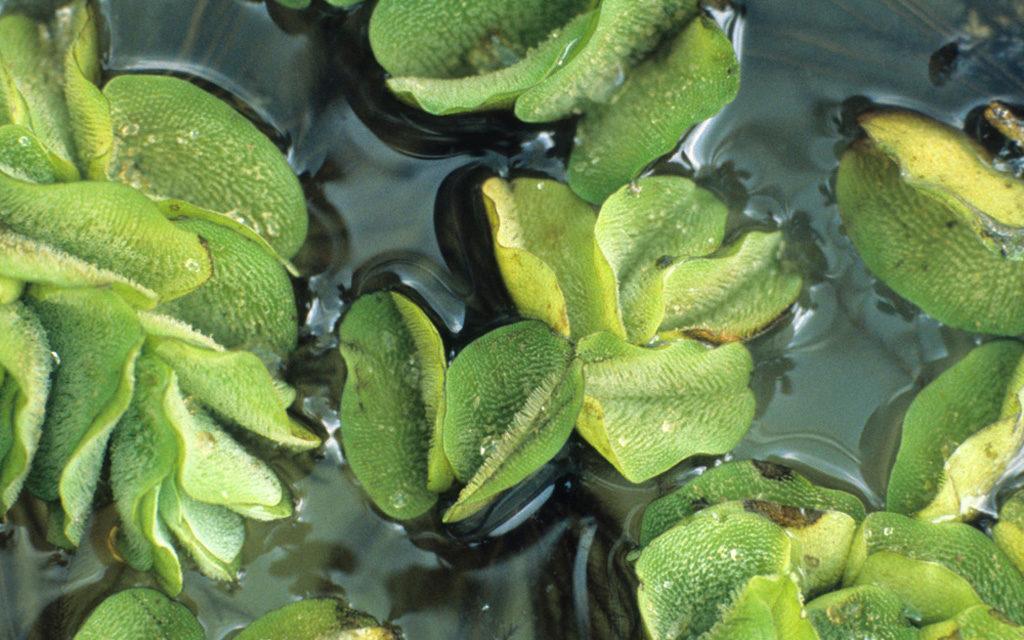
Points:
(732, 295)
(26, 361)
(743, 480)
(948, 165)
(23, 156)
(980, 622)
(659, 100)
(650, 408)
(315, 619)
(625, 32)
(646, 228)
(174, 140)
(390, 404)
(768, 608)
(511, 398)
(923, 250)
(89, 110)
(545, 247)
(140, 613)
(692, 575)
(858, 613)
(262, 311)
(936, 476)
(80, 218)
(1008, 532)
(212, 534)
(937, 569)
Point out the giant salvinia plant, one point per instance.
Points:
(144, 232)
(633, 338)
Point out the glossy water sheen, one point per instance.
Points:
(832, 382)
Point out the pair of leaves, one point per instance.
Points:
(641, 74)
(144, 613)
(911, 197)
(959, 435)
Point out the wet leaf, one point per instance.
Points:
(80, 218)
(948, 460)
(732, 295)
(768, 608)
(648, 409)
(98, 337)
(946, 164)
(938, 570)
(511, 398)
(212, 534)
(174, 140)
(496, 89)
(980, 622)
(743, 480)
(624, 33)
(549, 260)
(643, 230)
(389, 407)
(315, 619)
(691, 575)
(659, 100)
(923, 250)
(26, 362)
(1008, 532)
(140, 613)
(261, 313)
(860, 612)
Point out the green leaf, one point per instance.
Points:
(934, 475)
(647, 409)
(26, 361)
(767, 608)
(1008, 532)
(923, 250)
(733, 295)
(691, 575)
(166, 566)
(951, 167)
(860, 612)
(237, 386)
(98, 337)
(659, 100)
(980, 622)
(315, 619)
(174, 140)
(26, 260)
(549, 260)
(262, 311)
(140, 613)
(80, 218)
(624, 32)
(89, 110)
(457, 38)
(494, 89)
(743, 480)
(937, 569)
(23, 157)
(390, 403)
(643, 230)
(511, 398)
(212, 534)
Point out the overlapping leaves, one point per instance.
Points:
(639, 73)
(117, 302)
(510, 399)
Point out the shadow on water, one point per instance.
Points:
(392, 206)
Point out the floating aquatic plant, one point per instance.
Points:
(593, 285)
(126, 300)
(934, 221)
(144, 613)
(639, 74)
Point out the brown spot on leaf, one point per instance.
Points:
(772, 471)
(811, 561)
(784, 515)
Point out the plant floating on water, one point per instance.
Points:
(613, 299)
(753, 541)
(934, 221)
(144, 613)
(638, 73)
(126, 299)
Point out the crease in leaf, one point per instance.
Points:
(732, 295)
(661, 405)
(212, 534)
(644, 229)
(23, 157)
(768, 607)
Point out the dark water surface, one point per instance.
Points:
(390, 194)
